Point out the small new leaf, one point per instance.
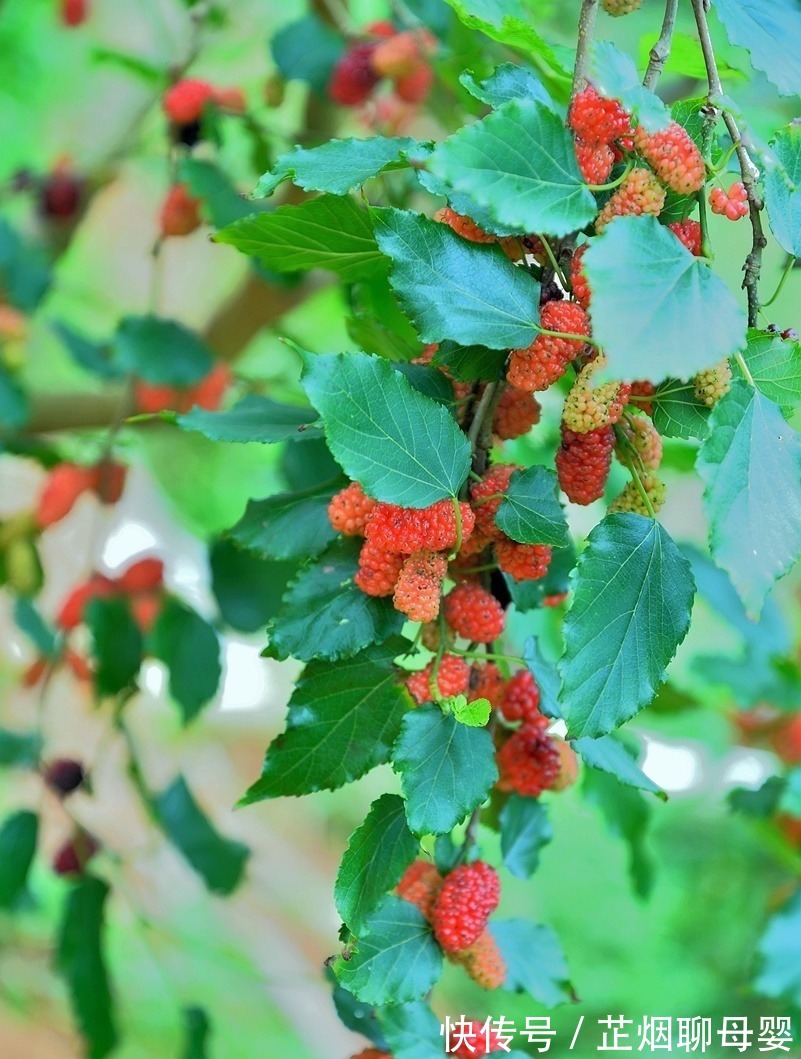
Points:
(475, 714)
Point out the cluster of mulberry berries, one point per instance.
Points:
(408, 553)
(384, 53)
(458, 907)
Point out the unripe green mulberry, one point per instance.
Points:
(712, 383)
(588, 407)
(616, 8)
(646, 441)
(631, 499)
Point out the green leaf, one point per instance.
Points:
(615, 75)
(342, 721)
(507, 81)
(751, 465)
(525, 829)
(770, 31)
(325, 615)
(527, 595)
(197, 1030)
(534, 961)
(509, 22)
(161, 351)
(475, 714)
(247, 588)
(25, 271)
(118, 644)
(453, 289)
(519, 162)
(610, 755)
(329, 232)
(221, 200)
(359, 1017)
(780, 954)
(81, 963)
(92, 356)
(432, 384)
(471, 363)
(288, 525)
(677, 411)
(254, 418)
(219, 861)
(189, 647)
(783, 188)
(530, 512)
(627, 816)
(446, 769)
(378, 853)
(396, 960)
(307, 50)
(411, 1031)
(761, 802)
(19, 749)
(337, 166)
(403, 447)
(790, 802)
(679, 316)
(775, 366)
(769, 636)
(30, 621)
(547, 677)
(17, 847)
(14, 404)
(630, 610)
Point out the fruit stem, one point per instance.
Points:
(788, 268)
(745, 369)
(457, 514)
(584, 339)
(627, 451)
(613, 183)
(554, 263)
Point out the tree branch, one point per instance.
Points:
(749, 172)
(661, 49)
(586, 29)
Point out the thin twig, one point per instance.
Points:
(748, 171)
(586, 28)
(661, 50)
